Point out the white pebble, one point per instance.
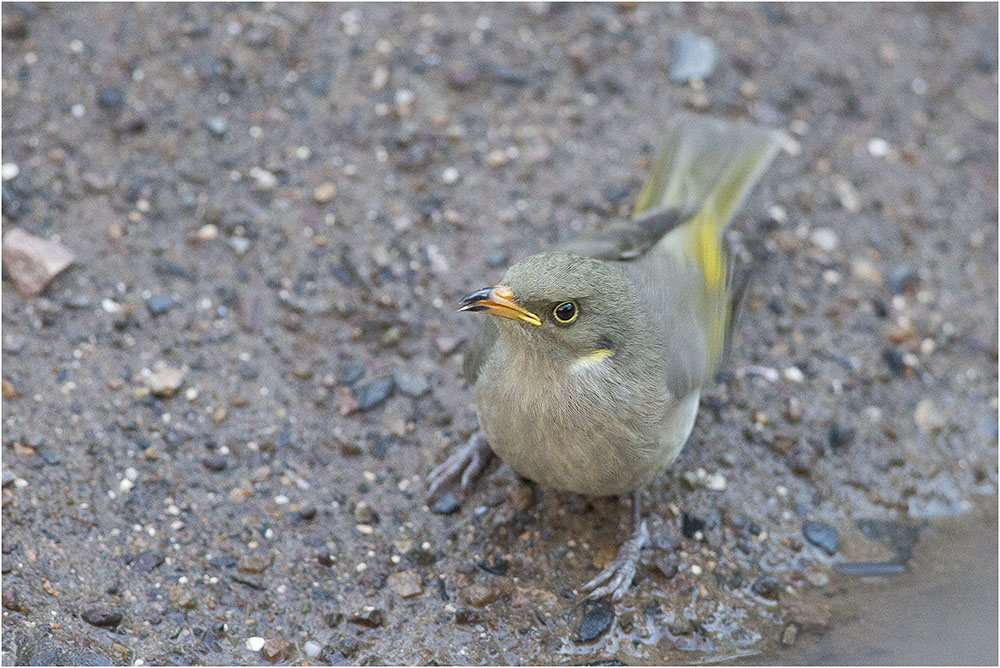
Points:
(9, 171)
(255, 643)
(793, 374)
(78, 110)
(449, 176)
(878, 147)
(312, 648)
(825, 239)
(715, 482)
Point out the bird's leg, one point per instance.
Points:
(468, 460)
(617, 577)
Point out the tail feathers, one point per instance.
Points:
(706, 168)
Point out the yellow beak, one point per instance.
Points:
(498, 300)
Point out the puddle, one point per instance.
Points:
(942, 610)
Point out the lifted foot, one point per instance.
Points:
(617, 577)
(468, 461)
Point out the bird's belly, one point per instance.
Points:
(604, 454)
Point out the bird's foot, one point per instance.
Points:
(467, 461)
(617, 577)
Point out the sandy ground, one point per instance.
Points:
(282, 204)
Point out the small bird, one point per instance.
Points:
(588, 378)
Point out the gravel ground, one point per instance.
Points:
(217, 421)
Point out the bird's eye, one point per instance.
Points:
(565, 313)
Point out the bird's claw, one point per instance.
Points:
(617, 577)
(468, 461)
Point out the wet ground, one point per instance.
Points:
(278, 207)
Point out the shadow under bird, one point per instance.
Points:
(589, 374)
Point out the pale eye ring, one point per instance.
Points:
(565, 312)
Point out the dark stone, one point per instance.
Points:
(247, 371)
(333, 618)
(514, 76)
(446, 504)
(111, 98)
(323, 594)
(13, 599)
(325, 559)
(894, 359)
(223, 561)
(103, 617)
(215, 464)
(42, 651)
(146, 561)
(350, 374)
(420, 557)
(49, 457)
(159, 304)
(371, 619)
(307, 513)
(691, 524)
(168, 268)
(468, 616)
(597, 618)
(901, 278)
(498, 567)
(767, 587)
(821, 535)
(374, 393)
(840, 437)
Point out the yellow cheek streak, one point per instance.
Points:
(591, 359)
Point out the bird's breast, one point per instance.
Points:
(587, 427)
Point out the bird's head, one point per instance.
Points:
(575, 308)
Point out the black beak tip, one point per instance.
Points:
(470, 302)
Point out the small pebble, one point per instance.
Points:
(793, 374)
(692, 57)
(146, 561)
(821, 535)
(32, 262)
(840, 436)
(159, 304)
(410, 383)
(312, 648)
(374, 393)
(928, 417)
(217, 125)
(112, 98)
(789, 635)
(274, 649)
(325, 193)
(767, 587)
(793, 409)
(254, 643)
(446, 504)
(405, 584)
(165, 382)
(450, 176)
(103, 617)
(372, 619)
(597, 618)
(825, 239)
(878, 147)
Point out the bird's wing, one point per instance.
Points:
(627, 239)
(707, 167)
